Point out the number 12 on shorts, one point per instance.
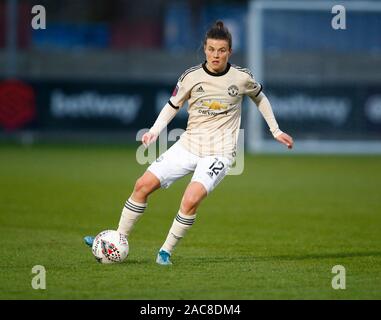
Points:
(216, 167)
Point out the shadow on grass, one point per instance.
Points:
(139, 261)
(253, 258)
(325, 255)
(191, 260)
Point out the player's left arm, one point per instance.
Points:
(266, 110)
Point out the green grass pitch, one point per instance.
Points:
(274, 232)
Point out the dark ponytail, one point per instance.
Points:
(219, 24)
(220, 32)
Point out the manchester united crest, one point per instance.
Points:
(233, 90)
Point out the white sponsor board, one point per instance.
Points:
(89, 104)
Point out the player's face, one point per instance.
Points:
(217, 54)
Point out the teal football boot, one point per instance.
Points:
(163, 258)
(89, 241)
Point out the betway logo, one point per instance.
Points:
(302, 107)
(94, 105)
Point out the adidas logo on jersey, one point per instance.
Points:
(200, 89)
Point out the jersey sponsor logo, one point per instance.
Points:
(214, 105)
(212, 113)
(233, 90)
(174, 93)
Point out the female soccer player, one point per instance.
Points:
(214, 91)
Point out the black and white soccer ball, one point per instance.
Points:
(110, 246)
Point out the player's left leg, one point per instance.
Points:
(209, 172)
(193, 195)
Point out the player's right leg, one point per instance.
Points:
(169, 167)
(135, 205)
(173, 164)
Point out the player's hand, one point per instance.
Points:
(148, 138)
(285, 139)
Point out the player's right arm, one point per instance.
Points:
(165, 117)
(180, 94)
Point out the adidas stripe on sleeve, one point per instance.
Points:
(183, 88)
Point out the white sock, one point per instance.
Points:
(131, 213)
(181, 224)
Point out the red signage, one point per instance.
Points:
(17, 104)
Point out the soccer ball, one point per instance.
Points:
(110, 246)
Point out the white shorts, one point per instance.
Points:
(177, 162)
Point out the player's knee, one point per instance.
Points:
(143, 186)
(190, 202)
